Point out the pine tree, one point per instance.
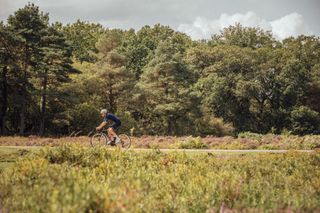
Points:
(29, 25)
(115, 80)
(165, 84)
(83, 37)
(5, 50)
(54, 67)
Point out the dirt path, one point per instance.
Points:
(221, 151)
(218, 151)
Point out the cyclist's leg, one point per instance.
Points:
(112, 131)
(109, 138)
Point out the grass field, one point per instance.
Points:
(10, 154)
(75, 178)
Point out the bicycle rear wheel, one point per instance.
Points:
(125, 141)
(98, 139)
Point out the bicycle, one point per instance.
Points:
(100, 138)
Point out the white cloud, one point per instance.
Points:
(289, 25)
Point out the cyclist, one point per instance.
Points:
(111, 128)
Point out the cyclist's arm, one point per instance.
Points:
(103, 124)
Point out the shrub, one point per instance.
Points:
(210, 125)
(193, 143)
(116, 181)
(305, 121)
(250, 135)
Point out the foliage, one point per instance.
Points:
(250, 135)
(305, 121)
(165, 86)
(244, 37)
(39, 63)
(242, 79)
(83, 37)
(210, 125)
(73, 178)
(193, 143)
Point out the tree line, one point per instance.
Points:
(55, 78)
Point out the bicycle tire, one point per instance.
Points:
(98, 139)
(125, 141)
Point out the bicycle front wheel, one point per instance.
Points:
(98, 139)
(125, 141)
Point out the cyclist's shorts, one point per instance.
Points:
(115, 126)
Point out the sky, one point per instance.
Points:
(197, 18)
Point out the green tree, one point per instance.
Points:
(313, 93)
(116, 82)
(250, 37)
(77, 103)
(29, 25)
(220, 70)
(54, 67)
(37, 60)
(305, 121)
(301, 56)
(83, 37)
(10, 48)
(158, 80)
(139, 48)
(6, 50)
(165, 87)
(115, 79)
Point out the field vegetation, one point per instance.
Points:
(75, 178)
(55, 78)
(164, 86)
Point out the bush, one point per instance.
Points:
(305, 121)
(250, 135)
(116, 181)
(210, 125)
(84, 117)
(193, 143)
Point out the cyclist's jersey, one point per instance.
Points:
(113, 118)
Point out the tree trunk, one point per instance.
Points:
(169, 125)
(4, 97)
(260, 115)
(43, 104)
(24, 94)
(22, 124)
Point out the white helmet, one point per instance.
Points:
(103, 111)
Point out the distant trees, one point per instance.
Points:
(38, 57)
(83, 37)
(139, 48)
(165, 86)
(245, 37)
(54, 68)
(115, 79)
(54, 78)
(254, 82)
(28, 26)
